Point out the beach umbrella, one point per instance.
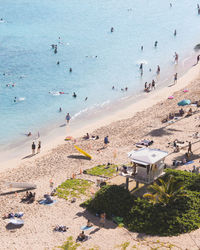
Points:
(184, 102)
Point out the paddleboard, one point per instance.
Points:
(171, 85)
(83, 152)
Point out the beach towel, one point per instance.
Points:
(84, 228)
(45, 202)
(189, 162)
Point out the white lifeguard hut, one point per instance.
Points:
(148, 165)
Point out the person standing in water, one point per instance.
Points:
(156, 44)
(70, 70)
(153, 84)
(112, 29)
(175, 32)
(68, 117)
(141, 68)
(175, 58)
(158, 70)
(198, 58)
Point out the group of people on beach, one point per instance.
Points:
(34, 147)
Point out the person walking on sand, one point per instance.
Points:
(39, 147)
(175, 77)
(190, 147)
(33, 148)
(68, 117)
(106, 141)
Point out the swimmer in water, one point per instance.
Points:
(113, 87)
(15, 100)
(58, 62)
(60, 109)
(156, 44)
(142, 48)
(70, 70)
(55, 50)
(126, 89)
(112, 29)
(170, 5)
(74, 95)
(86, 98)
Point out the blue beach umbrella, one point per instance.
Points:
(184, 102)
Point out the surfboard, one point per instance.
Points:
(20, 185)
(171, 85)
(68, 138)
(83, 152)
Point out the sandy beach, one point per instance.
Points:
(125, 127)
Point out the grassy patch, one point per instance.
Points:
(102, 170)
(73, 188)
(69, 244)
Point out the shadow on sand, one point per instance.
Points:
(78, 157)
(95, 221)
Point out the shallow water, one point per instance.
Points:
(28, 60)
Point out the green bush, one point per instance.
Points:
(113, 200)
(176, 217)
(179, 217)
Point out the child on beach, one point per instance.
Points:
(102, 219)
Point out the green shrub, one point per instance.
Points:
(113, 200)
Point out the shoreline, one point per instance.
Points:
(106, 116)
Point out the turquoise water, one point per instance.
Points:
(28, 60)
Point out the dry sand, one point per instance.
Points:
(125, 128)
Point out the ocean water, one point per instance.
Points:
(99, 59)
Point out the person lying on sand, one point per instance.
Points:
(60, 228)
(89, 223)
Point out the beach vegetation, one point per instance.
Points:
(102, 170)
(73, 188)
(112, 199)
(175, 208)
(165, 191)
(69, 244)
